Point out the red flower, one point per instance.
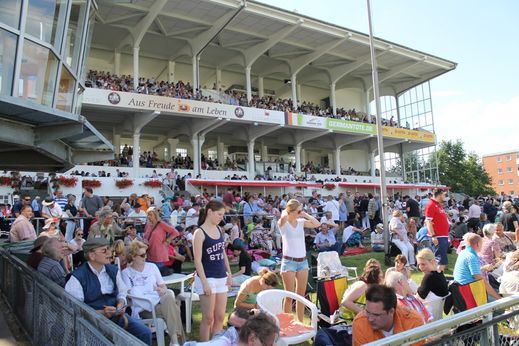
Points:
(153, 183)
(123, 183)
(92, 183)
(5, 181)
(67, 181)
(329, 186)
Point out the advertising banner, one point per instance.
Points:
(168, 105)
(355, 127)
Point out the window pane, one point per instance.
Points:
(88, 41)
(10, 12)
(38, 73)
(66, 90)
(7, 57)
(73, 39)
(45, 20)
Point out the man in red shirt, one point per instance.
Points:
(438, 226)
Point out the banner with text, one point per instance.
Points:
(355, 127)
(168, 105)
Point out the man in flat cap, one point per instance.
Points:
(98, 284)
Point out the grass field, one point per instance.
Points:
(357, 261)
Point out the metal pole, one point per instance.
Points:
(380, 139)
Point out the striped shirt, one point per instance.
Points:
(467, 265)
(53, 270)
(62, 202)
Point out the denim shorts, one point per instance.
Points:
(441, 250)
(293, 266)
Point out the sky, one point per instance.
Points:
(478, 102)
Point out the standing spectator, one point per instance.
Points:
(51, 209)
(192, 215)
(332, 206)
(382, 317)
(412, 208)
(350, 205)
(509, 218)
(50, 265)
(294, 264)
(158, 235)
(36, 207)
(438, 226)
(71, 210)
(60, 199)
(473, 216)
(89, 206)
(212, 267)
(372, 211)
(105, 227)
(98, 284)
(17, 207)
(22, 228)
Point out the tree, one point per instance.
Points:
(462, 172)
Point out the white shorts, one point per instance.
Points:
(217, 285)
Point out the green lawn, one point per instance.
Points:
(350, 261)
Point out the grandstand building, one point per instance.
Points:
(263, 91)
(503, 169)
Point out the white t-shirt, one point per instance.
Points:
(293, 239)
(346, 234)
(333, 207)
(143, 284)
(191, 218)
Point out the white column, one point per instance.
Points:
(261, 92)
(171, 71)
(298, 158)
(294, 91)
(333, 101)
(337, 161)
(248, 85)
(303, 156)
(264, 151)
(299, 94)
(220, 148)
(218, 79)
(196, 155)
(251, 168)
(135, 67)
(117, 143)
(372, 163)
(330, 159)
(136, 154)
(194, 84)
(117, 63)
(173, 142)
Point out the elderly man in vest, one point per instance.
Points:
(98, 284)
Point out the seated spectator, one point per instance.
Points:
(351, 236)
(377, 238)
(144, 280)
(399, 237)
(259, 330)
(423, 239)
(468, 268)
(459, 229)
(401, 267)
(50, 265)
(51, 229)
(78, 256)
(354, 298)
(120, 253)
(505, 240)
(404, 294)
(490, 250)
(98, 284)
(325, 240)
(246, 298)
(131, 235)
(383, 317)
(434, 283)
(105, 227)
(36, 252)
(22, 228)
(510, 278)
(244, 264)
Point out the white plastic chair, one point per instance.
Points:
(154, 322)
(271, 302)
(329, 265)
(188, 297)
(435, 307)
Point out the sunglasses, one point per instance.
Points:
(79, 234)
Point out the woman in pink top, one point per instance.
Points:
(158, 235)
(490, 251)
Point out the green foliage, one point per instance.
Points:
(462, 172)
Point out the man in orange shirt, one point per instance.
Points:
(382, 317)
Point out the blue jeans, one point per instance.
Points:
(158, 264)
(137, 329)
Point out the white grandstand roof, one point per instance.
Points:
(274, 42)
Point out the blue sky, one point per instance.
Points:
(479, 101)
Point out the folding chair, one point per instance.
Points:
(329, 296)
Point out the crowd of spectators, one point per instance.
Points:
(151, 86)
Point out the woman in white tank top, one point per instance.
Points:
(294, 266)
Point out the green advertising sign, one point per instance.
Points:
(350, 126)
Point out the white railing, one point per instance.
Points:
(442, 326)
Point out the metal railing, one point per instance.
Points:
(480, 326)
(49, 315)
